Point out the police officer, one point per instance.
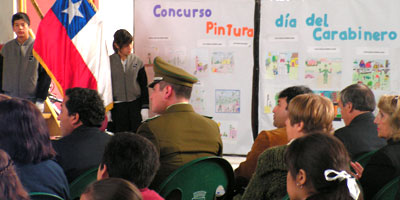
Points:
(179, 134)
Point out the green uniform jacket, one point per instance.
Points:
(180, 136)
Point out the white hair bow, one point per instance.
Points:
(354, 190)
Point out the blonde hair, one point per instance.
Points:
(390, 105)
(315, 111)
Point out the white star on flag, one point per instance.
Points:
(73, 10)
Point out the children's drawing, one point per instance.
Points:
(334, 97)
(373, 73)
(228, 129)
(201, 62)
(197, 99)
(270, 100)
(222, 62)
(152, 52)
(323, 72)
(227, 101)
(176, 55)
(282, 65)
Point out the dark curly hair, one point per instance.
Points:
(88, 104)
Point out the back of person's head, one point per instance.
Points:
(360, 96)
(131, 157)
(293, 91)
(322, 157)
(121, 38)
(10, 185)
(315, 111)
(88, 104)
(20, 15)
(24, 134)
(180, 90)
(111, 189)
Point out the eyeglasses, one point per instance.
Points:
(395, 101)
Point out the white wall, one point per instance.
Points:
(7, 10)
(117, 14)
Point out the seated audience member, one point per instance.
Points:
(359, 135)
(384, 165)
(82, 144)
(308, 113)
(270, 138)
(179, 134)
(111, 189)
(10, 185)
(133, 158)
(25, 137)
(317, 169)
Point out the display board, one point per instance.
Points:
(327, 45)
(213, 40)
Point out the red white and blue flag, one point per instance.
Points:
(71, 47)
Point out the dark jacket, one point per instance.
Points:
(81, 150)
(382, 168)
(361, 135)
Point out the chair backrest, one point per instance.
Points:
(364, 159)
(201, 179)
(388, 192)
(44, 196)
(79, 184)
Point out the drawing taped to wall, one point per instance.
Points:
(228, 130)
(227, 101)
(373, 73)
(222, 62)
(282, 66)
(197, 99)
(334, 97)
(323, 73)
(201, 62)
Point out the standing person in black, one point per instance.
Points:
(359, 135)
(82, 145)
(129, 85)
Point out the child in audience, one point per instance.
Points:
(384, 165)
(111, 189)
(10, 186)
(131, 157)
(318, 169)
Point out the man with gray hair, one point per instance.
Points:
(357, 102)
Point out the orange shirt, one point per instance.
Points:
(264, 140)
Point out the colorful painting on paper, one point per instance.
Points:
(227, 101)
(176, 55)
(334, 97)
(201, 62)
(270, 100)
(222, 62)
(323, 72)
(197, 99)
(282, 66)
(373, 73)
(228, 129)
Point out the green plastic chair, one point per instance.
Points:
(205, 178)
(364, 159)
(286, 197)
(79, 184)
(44, 196)
(388, 192)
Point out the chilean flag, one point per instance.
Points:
(70, 46)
